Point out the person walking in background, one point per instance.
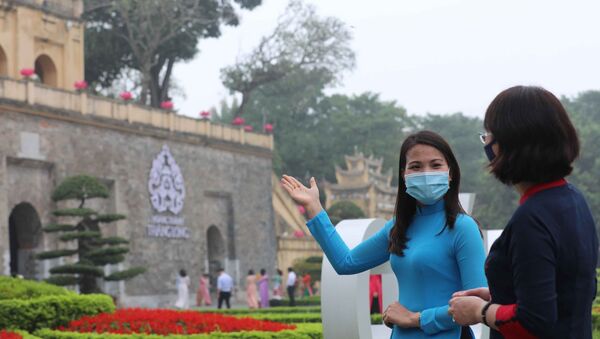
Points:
(263, 288)
(251, 293)
(542, 269)
(277, 285)
(433, 246)
(224, 288)
(183, 287)
(203, 293)
(307, 283)
(375, 299)
(291, 286)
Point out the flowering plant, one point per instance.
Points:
(126, 95)
(168, 105)
(205, 114)
(165, 322)
(239, 121)
(80, 85)
(268, 128)
(4, 334)
(27, 72)
(248, 128)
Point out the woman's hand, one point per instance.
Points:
(396, 314)
(466, 310)
(481, 292)
(302, 195)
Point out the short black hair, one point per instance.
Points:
(536, 139)
(250, 272)
(263, 271)
(182, 273)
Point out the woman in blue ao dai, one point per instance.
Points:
(434, 247)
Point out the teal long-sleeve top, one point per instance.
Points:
(437, 262)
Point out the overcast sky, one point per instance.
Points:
(437, 56)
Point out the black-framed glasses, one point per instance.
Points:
(483, 137)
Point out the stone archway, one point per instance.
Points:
(3, 63)
(46, 70)
(24, 229)
(216, 251)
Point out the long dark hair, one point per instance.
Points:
(406, 206)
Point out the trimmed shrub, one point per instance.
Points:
(315, 300)
(299, 317)
(51, 311)
(271, 310)
(15, 288)
(303, 331)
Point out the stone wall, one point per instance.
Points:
(227, 185)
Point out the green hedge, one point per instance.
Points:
(15, 288)
(235, 311)
(596, 321)
(304, 331)
(298, 317)
(51, 311)
(315, 300)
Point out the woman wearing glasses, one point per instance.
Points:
(542, 269)
(434, 248)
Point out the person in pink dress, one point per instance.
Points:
(263, 288)
(203, 294)
(251, 292)
(375, 293)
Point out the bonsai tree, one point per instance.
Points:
(93, 250)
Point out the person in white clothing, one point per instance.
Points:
(224, 288)
(291, 286)
(183, 294)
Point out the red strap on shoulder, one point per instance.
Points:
(540, 187)
(508, 325)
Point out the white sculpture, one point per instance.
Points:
(165, 183)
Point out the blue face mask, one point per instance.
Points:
(427, 187)
(489, 151)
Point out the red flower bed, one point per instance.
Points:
(165, 322)
(9, 335)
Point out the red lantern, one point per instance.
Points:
(27, 72)
(239, 121)
(268, 128)
(168, 105)
(205, 114)
(126, 95)
(301, 209)
(248, 128)
(80, 85)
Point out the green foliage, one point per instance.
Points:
(315, 300)
(80, 235)
(126, 274)
(106, 218)
(80, 187)
(270, 310)
(63, 280)
(74, 212)
(111, 241)
(312, 267)
(15, 288)
(51, 311)
(118, 38)
(343, 210)
(58, 228)
(94, 251)
(78, 269)
(54, 254)
(302, 331)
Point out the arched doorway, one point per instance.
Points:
(24, 231)
(3, 63)
(216, 252)
(46, 70)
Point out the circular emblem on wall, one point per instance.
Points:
(165, 183)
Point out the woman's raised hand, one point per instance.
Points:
(302, 195)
